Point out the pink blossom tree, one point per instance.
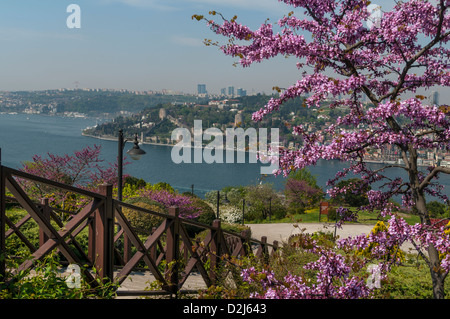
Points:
(299, 195)
(84, 169)
(389, 62)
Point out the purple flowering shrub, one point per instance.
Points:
(314, 266)
(83, 169)
(345, 270)
(300, 195)
(186, 204)
(309, 268)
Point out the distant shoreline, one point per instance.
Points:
(111, 138)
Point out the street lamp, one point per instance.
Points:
(135, 153)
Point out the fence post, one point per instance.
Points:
(104, 235)
(153, 249)
(275, 247)
(43, 237)
(91, 239)
(264, 250)
(215, 248)
(246, 242)
(172, 253)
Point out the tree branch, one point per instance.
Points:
(434, 172)
(393, 95)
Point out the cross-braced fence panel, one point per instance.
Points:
(99, 234)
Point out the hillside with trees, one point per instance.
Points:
(102, 103)
(155, 124)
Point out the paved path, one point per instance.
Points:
(279, 232)
(282, 231)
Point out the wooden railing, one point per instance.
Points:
(114, 247)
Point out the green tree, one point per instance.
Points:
(438, 209)
(264, 202)
(353, 192)
(304, 175)
(301, 191)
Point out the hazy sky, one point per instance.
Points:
(132, 44)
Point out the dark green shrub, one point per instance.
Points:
(14, 244)
(437, 209)
(207, 216)
(143, 222)
(236, 228)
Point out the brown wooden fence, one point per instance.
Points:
(114, 247)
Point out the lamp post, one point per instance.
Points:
(120, 165)
(243, 210)
(135, 153)
(218, 204)
(225, 201)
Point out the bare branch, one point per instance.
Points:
(390, 166)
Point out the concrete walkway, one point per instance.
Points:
(280, 232)
(283, 231)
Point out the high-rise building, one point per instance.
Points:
(201, 89)
(241, 92)
(434, 98)
(231, 90)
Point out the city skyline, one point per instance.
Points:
(125, 44)
(135, 45)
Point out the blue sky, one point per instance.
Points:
(132, 44)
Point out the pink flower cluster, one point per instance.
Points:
(333, 271)
(187, 207)
(333, 281)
